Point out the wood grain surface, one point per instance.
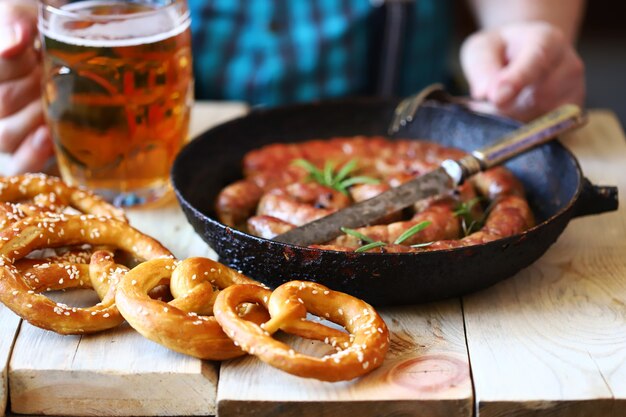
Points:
(426, 373)
(9, 324)
(551, 341)
(113, 373)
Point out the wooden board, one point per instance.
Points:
(114, 373)
(552, 340)
(118, 372)
(426, 373)
(9, 325)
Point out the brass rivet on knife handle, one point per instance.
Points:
(535, 133)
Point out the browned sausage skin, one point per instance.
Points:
(277, 195)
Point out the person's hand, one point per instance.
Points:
(22, 130)
(523, 69)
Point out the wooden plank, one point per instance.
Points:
(118, 372)
(9, 325)
(113, 373)
(426, 373)
(551, 341)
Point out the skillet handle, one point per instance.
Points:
(595, 199)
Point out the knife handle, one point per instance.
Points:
(533, 134)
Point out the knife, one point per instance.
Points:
(448, 175)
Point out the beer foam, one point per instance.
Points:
(139, 29)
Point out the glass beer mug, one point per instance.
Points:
(117, 92)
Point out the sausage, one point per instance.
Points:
(277, 195)
(267, 227)
(301, 203)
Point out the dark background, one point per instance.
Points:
(601, 44)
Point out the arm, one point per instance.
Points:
(523, 59)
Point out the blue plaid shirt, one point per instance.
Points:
(282, 51)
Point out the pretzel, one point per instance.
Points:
(184, 324)
(359, 352)
(31, 234)
(58, 272)
(36, 194)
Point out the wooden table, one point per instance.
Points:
(550, 341)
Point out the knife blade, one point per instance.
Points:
(450, 174)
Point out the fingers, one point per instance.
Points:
(15, 128)
(538, 69)
(564, 84)
(482, 57)
(21, 117)
(19, 76)
(16, 94)
(533, 50)
(17, 29)
(18, 66)
(32, 154)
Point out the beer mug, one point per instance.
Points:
(117, 92)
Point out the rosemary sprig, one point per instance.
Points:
(371, 243)
(464, 211)
(357, 234)
(411, 231)
(369, 246)
(339, 180)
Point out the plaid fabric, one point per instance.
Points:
(282, 51)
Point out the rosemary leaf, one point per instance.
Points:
(345, 170)
(357, 234)
(314, 172)
(465, 207)
(328, 173)
(361, 179)
(422, 245)
(369, 246)
(327, 177)
(411, 231)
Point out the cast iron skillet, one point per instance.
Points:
(556, 189)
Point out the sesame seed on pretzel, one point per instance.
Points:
(35, 194)
(30, 234)
(184, 324)
(359, 351)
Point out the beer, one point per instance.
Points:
(117, 92)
